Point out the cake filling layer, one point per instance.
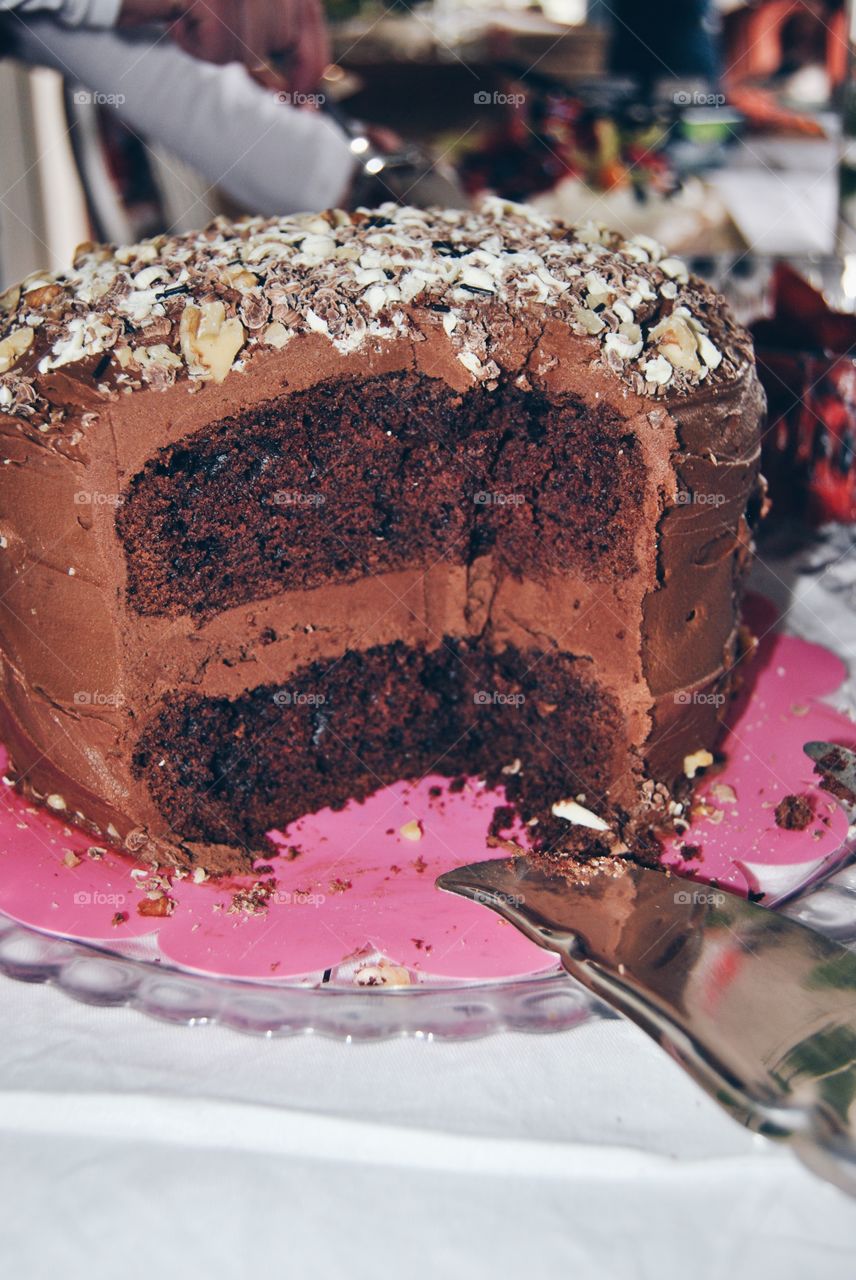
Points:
(358, 478)
(226, 771)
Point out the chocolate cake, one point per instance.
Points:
(291, 509)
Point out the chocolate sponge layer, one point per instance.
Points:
(363, 477)
(226, 771)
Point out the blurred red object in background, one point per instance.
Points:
(807, 362)
(758, 38)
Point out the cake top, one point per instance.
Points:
(197, 305)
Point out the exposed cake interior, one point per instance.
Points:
(357, 478)
(361, 477)
(226, 771)
(330, 488)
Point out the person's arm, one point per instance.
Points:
(72, 13)
(284, 43)
(269, 157)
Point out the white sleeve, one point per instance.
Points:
(270, 157)
(73, 13)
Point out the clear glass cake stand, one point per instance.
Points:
(546, 1002)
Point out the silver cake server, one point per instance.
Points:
(836, 764)
(759, 1009)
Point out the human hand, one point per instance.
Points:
(284, 43)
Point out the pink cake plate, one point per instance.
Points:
(344, 910)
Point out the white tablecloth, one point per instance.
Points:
(129, 1145)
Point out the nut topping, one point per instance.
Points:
(43, 296)
(677, 342)
(276, 335)
(209, 342)
(358, 278)
(13, 346)
(10, 299)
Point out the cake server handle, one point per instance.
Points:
(757, 1008)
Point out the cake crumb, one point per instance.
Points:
(695, 761)
(411, 830)
(160, 906)
(794, 813)
(503, 819)
(724, 793)
(253, 901)
(710, 812)
(383, 974)
(575, 813)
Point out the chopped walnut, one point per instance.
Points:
(13, 346)
(210, 342)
